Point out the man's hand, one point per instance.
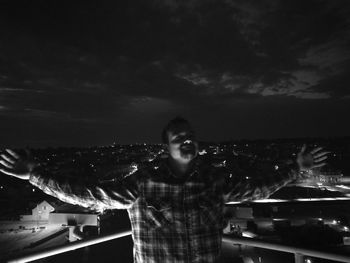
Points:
(13, 164)
(309, 160)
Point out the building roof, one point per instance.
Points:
(73, 209)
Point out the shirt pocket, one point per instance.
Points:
(159, 213)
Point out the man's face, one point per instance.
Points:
(182, 144)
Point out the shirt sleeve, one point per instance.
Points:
(114, 194)
(260, 184)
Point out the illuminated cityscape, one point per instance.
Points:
(313, 211)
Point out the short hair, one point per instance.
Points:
(170, 126)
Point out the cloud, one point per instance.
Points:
(328, 56)
(336, 86)
(159, 58)
(258, 43)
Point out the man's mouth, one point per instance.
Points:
(187, 145)
(188, 148)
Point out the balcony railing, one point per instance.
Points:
(69, 247)
(299, 253)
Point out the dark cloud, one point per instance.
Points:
(88, 64)
(337, 85)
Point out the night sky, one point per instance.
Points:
(89, 73)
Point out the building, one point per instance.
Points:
(70, 215)
(40, 212)
(76, 218)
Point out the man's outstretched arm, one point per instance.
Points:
(118, 194)
(243, 189)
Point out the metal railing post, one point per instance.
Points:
(298, 258)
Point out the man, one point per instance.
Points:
(176, 210)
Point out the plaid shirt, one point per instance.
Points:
(173, 220)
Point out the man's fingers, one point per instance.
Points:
(131, 194)
(13, 154)
(303, 148)
(317, 160)
(316, 150)
(6, 171)
(123, 197)
(7, 158)
(319, 165)
(320, 154)
(6, 164)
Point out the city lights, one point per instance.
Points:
(127, 159)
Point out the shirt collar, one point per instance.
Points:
(165, 168)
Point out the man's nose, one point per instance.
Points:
(189, 139)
